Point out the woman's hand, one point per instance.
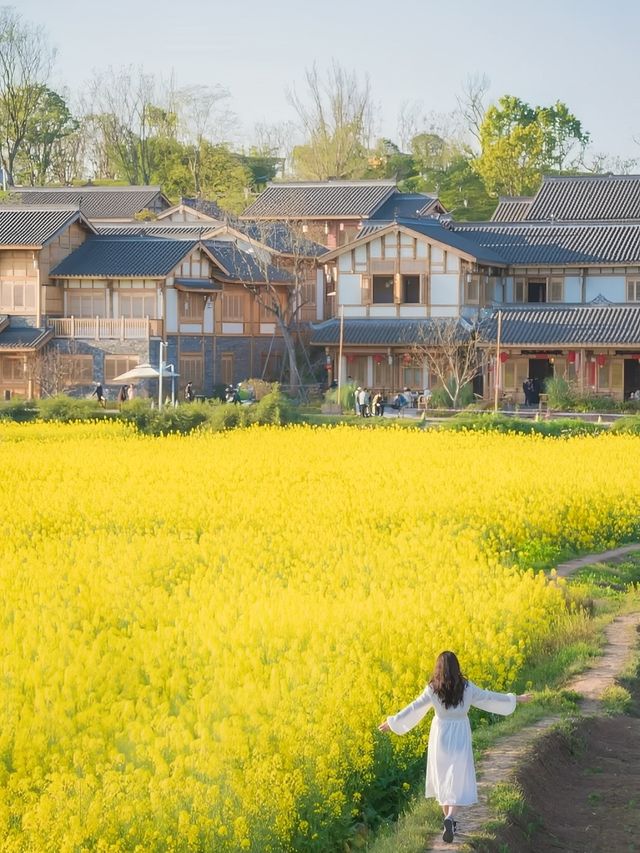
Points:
(523, 698)
(384, 727)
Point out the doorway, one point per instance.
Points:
(537, 291)
(631, 376)
(540, 369)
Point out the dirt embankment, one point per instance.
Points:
(582, 790)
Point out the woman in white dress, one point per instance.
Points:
(451, 776)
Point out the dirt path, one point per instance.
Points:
(501, 761)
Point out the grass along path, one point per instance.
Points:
(500, 761)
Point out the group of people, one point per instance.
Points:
(367, 405)
(531, 388)
(126, 393)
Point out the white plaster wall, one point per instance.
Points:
(508, 289)
(207, 323)
(354, 311)
(344, 262)
(171, 310)
(349, 289)
(453, 263)
(444, 289)
(382, 311)
(423, 249)
(572, 288)
(413, 311)
(611, 286)
(320, 294)
(375, 248)
(443, 312)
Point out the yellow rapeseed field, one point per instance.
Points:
(200, 634)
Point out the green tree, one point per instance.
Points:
(25, 64)
(335, 115)
(520, 143)
(386, 160)
(47, 126)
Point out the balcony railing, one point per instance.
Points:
(106, 328)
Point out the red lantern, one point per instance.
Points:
(406, 358)
(504, 356)
(571, 357)
(378, 358)
(350, 357)
(601, 359)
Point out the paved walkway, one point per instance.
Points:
(499, 762)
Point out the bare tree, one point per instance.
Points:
(451, 351)
(25, 65)
(285, 276)
(471, 103)
(336, 118)
(122, 108)
(48, 371)
(203, 116)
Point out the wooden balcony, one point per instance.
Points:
(106, 328)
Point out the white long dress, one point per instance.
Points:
(451, 775)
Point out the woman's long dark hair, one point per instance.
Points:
(447, 681)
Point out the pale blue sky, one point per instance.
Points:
(582, 52)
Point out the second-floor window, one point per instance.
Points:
(233, 307)
(383, 290)
(633, 290)
(411, 289)
(17, 297)
(86, 303)
(138, 305)
(191, 307)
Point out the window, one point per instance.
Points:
(633, 290)
(17, 297)
(226, 363)
(114, 365)
(412, 377)
(556, 290)
(191, 307)
(411, 289)
(472, 289)
(383, 290)
(137, 305)
(77, 369)
(233, 307)
(192, 369)
(86, 303)
(13, 369)
(536, 291)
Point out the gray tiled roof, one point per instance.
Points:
(280, 237)
(99, 202)
(379, 332)
(183, 230)
(531, 244)
(511, 209)
(34, 226)
(568, 325)
(320, 200)
(405, 205)
(243, 266)
(24, 338)
(580, 198)
(124, 257)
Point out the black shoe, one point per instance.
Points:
(447, 835)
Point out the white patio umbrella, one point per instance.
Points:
(140, 371)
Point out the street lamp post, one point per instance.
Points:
(162, 344)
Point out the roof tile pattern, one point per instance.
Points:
(33, 226)
(529, 244)
(511, 209)
(379, 332)
(99, 202)
(124, 257)
(570, 325)
(579, 198)
(243, 266)
(320, 200)
(25, 338)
